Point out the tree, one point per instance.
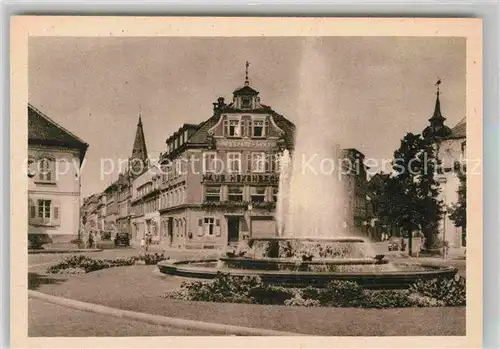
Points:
(409, 196)
(458, 211)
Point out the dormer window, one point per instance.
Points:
(246, 102)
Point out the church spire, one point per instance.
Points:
(139, 151)
(437, 107)
(437, 129)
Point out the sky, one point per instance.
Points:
(375, 89)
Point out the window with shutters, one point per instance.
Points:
(212, 193)
(234, 162)
(235, 193)
(46, 170)
(44, 212)
(258, 194)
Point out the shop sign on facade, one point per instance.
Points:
(242, 179)
(246, 143)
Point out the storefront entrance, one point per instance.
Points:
(233, 229)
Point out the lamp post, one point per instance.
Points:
(250, 208)
(442, 181)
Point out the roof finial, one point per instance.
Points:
(140, 115)
(247, 64)
(437, 107)
(437, 84)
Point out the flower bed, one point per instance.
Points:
(236, 289)
(83, 264)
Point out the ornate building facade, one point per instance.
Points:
(217, 182)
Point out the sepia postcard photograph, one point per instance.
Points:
(294, 182)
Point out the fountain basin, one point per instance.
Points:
(403, 277)
(309, 248)
(292, 264)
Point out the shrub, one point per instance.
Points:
(450, 291)
(236, 289)
(298, 301)
(122, 262)
(270, 294)
(386, 299)
(177, 294)
(88, 264)
(37, 240)
(341, 293)
(224, 288)
(250, 289)
(424, 301)
(71, 271)
(152, 258)
(309, 293)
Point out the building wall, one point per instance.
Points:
(63, 191)
(451, 152)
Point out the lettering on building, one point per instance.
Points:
(247, 178)
(246, 143)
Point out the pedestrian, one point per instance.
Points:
(91, 240)
(143, 244)
(148, 241)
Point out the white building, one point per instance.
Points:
(451, 151)
(55, 156)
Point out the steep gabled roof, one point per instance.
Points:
(200, 136)
(459, 131)
(287, 126)
(43, 130)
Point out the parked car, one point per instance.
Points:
(394, 243)
(122, 239)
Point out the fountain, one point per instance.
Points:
(283, 191)
(313, 246)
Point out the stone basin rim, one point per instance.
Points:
(311, 239)
(184, 266)
(322, 261)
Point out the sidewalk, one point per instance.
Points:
(68, 322)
